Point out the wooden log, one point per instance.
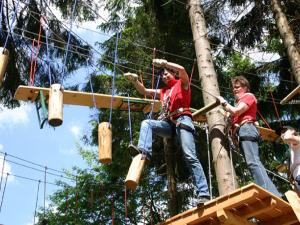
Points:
(290, 95)
(105, 142)
(135, 171)
(55, 105)
(4, 57)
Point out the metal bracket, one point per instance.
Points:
(41, 109)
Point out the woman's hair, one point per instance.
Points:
(242, 81)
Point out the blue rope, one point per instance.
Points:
(94, 99)
(1, 11)
(129, 120)
(114, 77)
(48, 55)
(69, 37)
(12, 23)
(150, 114)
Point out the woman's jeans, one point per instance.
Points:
(247, 132)
(186, 139)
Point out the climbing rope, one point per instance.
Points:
(209, 160)
(129, 121)
(92, 90)
(69, 38)
(1, 11)
(114, 76)
(2, 199)
(154, 54)
(45, 181)
(45, 26)
(265, 121)
(125, 204)
(36, 201)
(34, 56)
(2, 170)
(192, 73)
(152, 107)
(276, 109)
(11, 25)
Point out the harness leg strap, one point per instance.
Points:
(185, 127)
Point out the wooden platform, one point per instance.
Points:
(239, 207)
(26, 93)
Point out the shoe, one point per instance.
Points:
(133, 150)
(202, 200)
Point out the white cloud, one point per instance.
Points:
(1, 147)
(75, 130)
(12, 117)
(67, 151)
(6, 170)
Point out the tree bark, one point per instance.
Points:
(224, 172)
(288, 38)
(172, 190)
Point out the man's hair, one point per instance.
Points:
(242, 81)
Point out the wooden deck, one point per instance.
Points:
(239, 207)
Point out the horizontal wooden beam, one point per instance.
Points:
(290, 95)
(29, 93)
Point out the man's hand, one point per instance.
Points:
(159, 62)
(132, 77)
(222, 100)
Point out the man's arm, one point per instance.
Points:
(133, 78)
(183, 76)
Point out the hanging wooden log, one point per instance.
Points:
(135, 171)
(4, 57)
(55, 105)
(105, 142)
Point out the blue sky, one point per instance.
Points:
(20, 136)
(55, 148)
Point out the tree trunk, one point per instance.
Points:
(224, 172)
(288, 38)
(172, 190)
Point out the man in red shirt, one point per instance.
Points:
(243, 119)
(175, 115)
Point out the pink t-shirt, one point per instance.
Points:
(179, 97)
(250, 114)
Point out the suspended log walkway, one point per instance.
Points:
(246, 206)
(30, 93)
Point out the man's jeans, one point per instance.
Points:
(186, 138)
(250, 149)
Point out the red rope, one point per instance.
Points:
(154, 53)
(34, 56)
(194, 64)
(113, 212)
(261, 116)
(142, 81)
(276, 109)
(125, 203)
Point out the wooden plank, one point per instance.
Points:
(294, 200)
(228, 218)
(290, 95)
(256, 208)
(286, 219)
(268, 134)
(26, 93)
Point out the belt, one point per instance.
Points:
(177, 111)
(244, 122)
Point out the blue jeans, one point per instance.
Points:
(186, 139)
(250, 149)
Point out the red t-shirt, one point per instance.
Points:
(179, 98)
(250, 114)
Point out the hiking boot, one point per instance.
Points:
(133, 150)
(202, 200)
